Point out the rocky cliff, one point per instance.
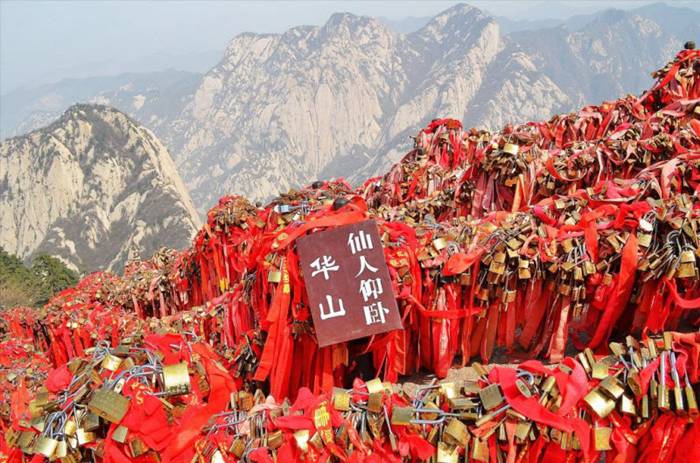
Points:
(91, 188)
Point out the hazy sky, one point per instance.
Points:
(44, 41)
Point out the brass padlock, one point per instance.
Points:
(119, 434)
(11, 437)
(111, 362)
(446, 453)
(374, 402)
(176, 379)
(72, 457)
(137, 447)
(238, 447)
(627, 405)
(462, 403)
(599, 403)
(45, 446)
(401, 416)
(84, 437)
(511, 148)
(522, 429)
(480, 450)
(491, 396)
(612, 386)
(61, 449)
(547, 388)
(245, 400)
(456, 433)
(601, 438)
(374, 386)
(70, 427)
(341, 400)
(90, 422)
(275, 439)
(109, 405)
(25, 441)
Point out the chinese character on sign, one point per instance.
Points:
(360, 242)
(346, 304)
(364, 265)
(325, 266)
(371, 288)
(375, 313)
(332, 312)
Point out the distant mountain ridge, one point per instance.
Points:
(92, 188)
(343, 99)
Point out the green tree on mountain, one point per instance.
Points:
(32, 286)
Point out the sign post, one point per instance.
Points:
(348, 283)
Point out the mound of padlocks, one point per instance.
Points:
(528, 242)
(169, 398)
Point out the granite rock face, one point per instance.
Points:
(343, 99)
(91, 188)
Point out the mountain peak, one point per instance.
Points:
(350, 23)
(94, 177)
(454, 23)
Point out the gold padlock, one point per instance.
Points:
(440, 243)
(446, 453)
(275, 439)
(612, 386)
(111, 362)
(374, 402)
(462, 403)
(84, 437)
(176, 379)
(137, 447)
(522, 429)
(491, 396)
(25, 441)
(70, 427)
(119, 434)
(61, 449)
(599, 403)
(245, 400)
(45, 446)
(274, 276)
(374, 386)
(72, 457)
(401, 416)
(456, 433)
(90, 422)
(238, 447)
(627, 405)
(601, 438)
(11, 437)
(341, 400)
(109, 405)
(480, 450)
(511, 149)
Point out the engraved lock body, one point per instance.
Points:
(176, 379)
(491, 396)
(108, 405)
(599, 403)
(456, 433)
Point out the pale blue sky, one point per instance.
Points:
(44, 41)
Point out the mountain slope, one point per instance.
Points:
(343, 99)
(91, 188)
(282, 110)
